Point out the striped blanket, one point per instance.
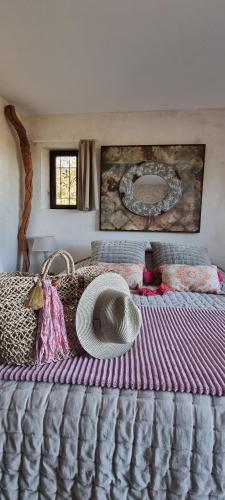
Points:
(178, 349)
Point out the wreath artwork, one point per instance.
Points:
(152, 188)
(145, 209)
(13, 119)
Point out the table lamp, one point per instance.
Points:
(45, 244)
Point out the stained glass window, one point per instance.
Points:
(63, 179)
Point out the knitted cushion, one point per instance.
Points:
(176, 253)
(130, 252)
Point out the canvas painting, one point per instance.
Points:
(152, 188)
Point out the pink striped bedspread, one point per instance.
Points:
(177, 350)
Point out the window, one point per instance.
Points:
(63, 179)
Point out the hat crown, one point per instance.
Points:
(115, 317)
(114, 310)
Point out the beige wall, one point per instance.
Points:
(75, 230)
(9, 195)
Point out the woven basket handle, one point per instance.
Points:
(70, 266)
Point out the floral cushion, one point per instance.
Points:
(185, 278)
(132, 273)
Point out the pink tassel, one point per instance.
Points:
(51, 336)
(162, 289)
(220, 277)
(150, 276)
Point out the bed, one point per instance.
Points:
(75, 441)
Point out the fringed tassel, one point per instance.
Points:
(51, 340)
(35, 298)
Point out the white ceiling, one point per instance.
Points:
(68, 56)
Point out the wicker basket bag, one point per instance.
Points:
(18, 323)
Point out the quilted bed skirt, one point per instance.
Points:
(60, 441)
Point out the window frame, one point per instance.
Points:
(53, 154)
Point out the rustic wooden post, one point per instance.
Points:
(12, 117)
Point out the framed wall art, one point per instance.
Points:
(152, 188)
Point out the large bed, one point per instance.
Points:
(70, 441)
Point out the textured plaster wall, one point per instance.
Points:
(74, 230)
(9, 195)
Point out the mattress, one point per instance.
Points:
(61, 441)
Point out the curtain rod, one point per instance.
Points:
(50, 140)
(37, 141)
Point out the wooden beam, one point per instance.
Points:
(12, 117)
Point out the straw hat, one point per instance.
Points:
(107, 320)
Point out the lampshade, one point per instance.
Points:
(44, 244)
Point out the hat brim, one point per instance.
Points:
(84, 317)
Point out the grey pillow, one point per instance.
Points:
(130, 252)
(176, 253)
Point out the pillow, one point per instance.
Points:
(132, 273)
(183, 278)
(116, 251)
(176, 253)
(151, 276)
